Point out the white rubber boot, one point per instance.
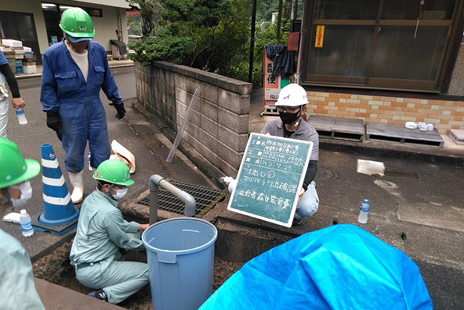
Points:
(78, 187)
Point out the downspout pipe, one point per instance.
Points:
(156, 181)
(299, 64)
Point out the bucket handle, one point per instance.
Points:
(166, 257)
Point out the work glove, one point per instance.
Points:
(120, 108)
(53, 120)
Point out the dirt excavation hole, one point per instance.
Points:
(237, 243)
(56, 268)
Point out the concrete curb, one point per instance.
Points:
(121, 66)
(386, 150)
(34, 75)
(29, 76)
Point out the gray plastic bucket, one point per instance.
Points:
(180, 255)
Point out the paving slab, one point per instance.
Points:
(56, 297)
(450, 216)
(322, 123)
(401, 134)
(457, 136)
(338, 127)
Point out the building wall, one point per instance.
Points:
(29, 6)
(445, 115)
(116, 3)
(217, 131)
(104, 26)
(456, 86)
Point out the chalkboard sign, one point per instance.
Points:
(270, 177)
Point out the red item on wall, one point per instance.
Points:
(293, 41)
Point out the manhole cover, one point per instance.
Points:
(324, 174)
(205, 198)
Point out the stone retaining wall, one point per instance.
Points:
(217, 131)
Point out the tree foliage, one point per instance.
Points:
(134, 25)
(169, 48)
(205, 34)
(212, 35)
(149, 12)
(265, 8)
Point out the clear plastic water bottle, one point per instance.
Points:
(88, 160)
(26, 224)
(21, 116)
(364, 212)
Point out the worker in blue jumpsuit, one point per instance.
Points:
(102, 233)
(74, 71)
(17, 287)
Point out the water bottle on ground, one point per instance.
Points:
(364, 212)
(26, 224)
(21, 116)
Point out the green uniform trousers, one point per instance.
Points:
(119, 279)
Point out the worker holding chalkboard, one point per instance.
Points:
(292, 100)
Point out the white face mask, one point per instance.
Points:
(26, 194)
(120, 193)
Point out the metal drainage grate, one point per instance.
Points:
(206, 198)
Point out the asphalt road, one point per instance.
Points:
(31, 136)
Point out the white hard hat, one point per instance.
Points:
(292, 95)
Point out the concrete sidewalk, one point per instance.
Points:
(112, 63)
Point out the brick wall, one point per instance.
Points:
(445, 115)
(217, 131)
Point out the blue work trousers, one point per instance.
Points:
(82, 121)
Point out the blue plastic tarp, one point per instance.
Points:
(339, 267)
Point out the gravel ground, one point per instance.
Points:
(56, 268)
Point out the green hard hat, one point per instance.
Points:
(77, 23)
(14, 168)
(113, 171)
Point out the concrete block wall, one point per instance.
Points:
(456, 87)
(218, 126)
(445, 115)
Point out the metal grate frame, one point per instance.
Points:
(206, 198)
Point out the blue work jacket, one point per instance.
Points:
(63, 81)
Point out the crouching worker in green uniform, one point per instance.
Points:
(17, 288)
(102, 232)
